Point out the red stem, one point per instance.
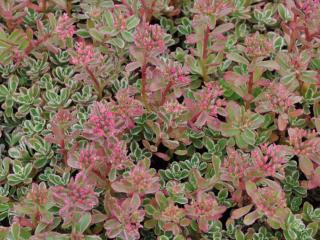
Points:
(165, 92)
(69, 7)
(205, 54)
(148, 11)
(124, 2)
(250, 90)
(32, 45)
(143, 84)
(64, 152)
(44, 5)
(95, 82)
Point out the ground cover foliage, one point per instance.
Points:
(159, 119)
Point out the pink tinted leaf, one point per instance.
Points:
(306, 165)
(240, 212)
(162, 156)
(132, 66)
(282, 122)
(120, 187)
(203, 224)
(271, 65)
(236, 57)
(222, 28)
(251, 188)
(161, 199)
(251, 218)
(235, 78)
(135, 202)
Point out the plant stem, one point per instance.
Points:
(124, 2)
(165, 92)
(64, 152)
(44, 5)
(250, 90)
(205, 54)
(95, 82)
(143, 85)
(33, 44)
(69, 7)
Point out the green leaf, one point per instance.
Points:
(161, 200)
(15, 230)
(108, 18)
(13, 83)
(251, 218)
(239, 235)
(83, 33)
(237, 58)
(309, 77)
(117, 42)
(132, 22)
(249, 136)
(127, 36)
(278, 43)
(96, 35)
(272, 65)
(284, 12)
(83, 223)
(150, 210)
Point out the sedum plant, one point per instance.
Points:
(159, 120)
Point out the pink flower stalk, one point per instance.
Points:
(208, 7)
(119, 18)
(34, 208)
(305, 143)
(175, 73)
(269, 160)
(60, 123)
(214, 109)
(89, 157)
(117, 154)
(38, 194)
(204, 208)
(208, 96)
(125, 217)
(257, 46)
(174, 107)
(77, 196)
(140, 180)
(234, 167)
(173, 217)
(175, 188)
(310, 6)
(277, 98)
(64, 27)
(127, 107)
(205, 108)
(269, 199)
(103, 121)
(84, 54)
(150, 38)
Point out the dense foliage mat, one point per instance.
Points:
(159, 119)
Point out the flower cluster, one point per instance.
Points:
(257, 45)
(150, 38)
(77, 196)
(160, 119)
(125, 217)
(140, 180)
(84, 54)
(103, 121)
(310, 6)
(205, 208)
(64, 28)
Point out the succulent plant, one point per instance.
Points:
(158, 119)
